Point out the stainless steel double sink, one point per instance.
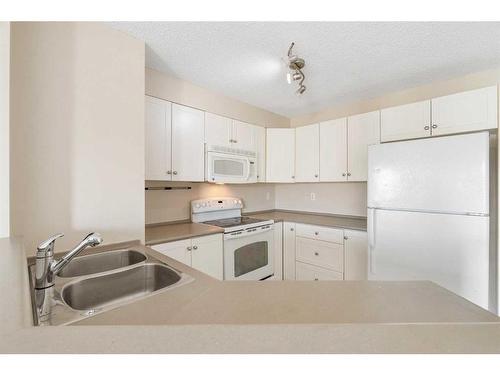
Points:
(95, 283)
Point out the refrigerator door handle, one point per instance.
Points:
(371, 237)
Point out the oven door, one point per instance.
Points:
(230, 168)
(249, 254)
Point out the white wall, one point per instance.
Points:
(77, 124)
(4, 128)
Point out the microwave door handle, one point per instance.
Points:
(248, 169)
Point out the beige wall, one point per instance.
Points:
(173, 89)
(173, 205)
(4, 128)
(77, 133)
(341, 198)
(431, 90)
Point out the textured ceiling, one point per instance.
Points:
(344, 61)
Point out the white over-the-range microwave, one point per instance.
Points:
(229, 165)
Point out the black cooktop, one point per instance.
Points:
(233, 221)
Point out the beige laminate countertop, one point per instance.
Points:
(336, 221)
(162, 233)
(168, 232)
(210, 316)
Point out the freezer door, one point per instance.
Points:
(445, 174)
(450, 250)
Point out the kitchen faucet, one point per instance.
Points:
(46, 268)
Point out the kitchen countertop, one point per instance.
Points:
(336, 221)
(210, 316)
(168, 232)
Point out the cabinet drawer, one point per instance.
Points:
(320, 253)
(305, 271)
(320, 233)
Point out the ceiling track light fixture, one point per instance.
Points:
(295, 66)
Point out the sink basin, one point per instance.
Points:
(114, 288)
(96, 263)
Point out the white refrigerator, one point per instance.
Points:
(428, 214)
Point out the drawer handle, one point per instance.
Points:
(189, 248)
(316, 233)
(195, 247)
(316, 279)
(316, 253)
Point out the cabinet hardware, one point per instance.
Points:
(348, 174)
(169, 172)
(434, 126)
(293, 176)
(175, 172)
(235, 141)
(195, 247)
(316, 253)
(426, 127)
(316, 175)
(316, 279)
(291, 229)
(316, 233)
(346, 238)
(189, 248)
(343, 175)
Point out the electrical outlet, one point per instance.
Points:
(313, 196)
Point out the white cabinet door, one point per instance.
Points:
(261, 153)
(362, 130)
(218, 130)
(207, 255)
(356, 255)
(406, 121)
(278, 251)
(188, 127)
(307, 153)
(158, 133)
(280, 155)
(288, 251)
(178, 250)
(244, 135)
(465, 111)
(333, 150)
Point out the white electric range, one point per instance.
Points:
(248, 242)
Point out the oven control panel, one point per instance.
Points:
(215, 204)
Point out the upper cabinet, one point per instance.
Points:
(280, 155)
(458, 113)
(333, 150)
(223, 131)
(174, 142)
(405, 121)
(244, 135)
(362, 131)
(218, 130)
(188, 151)
(466, 111)
(158, 134)
(307, 153)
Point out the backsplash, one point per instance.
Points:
(340, 198)
(330, 198)
(173, 205)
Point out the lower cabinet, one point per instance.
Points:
(288, 251)
(304, 271)
(356, 255)
(312, 252)
(205, 254)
